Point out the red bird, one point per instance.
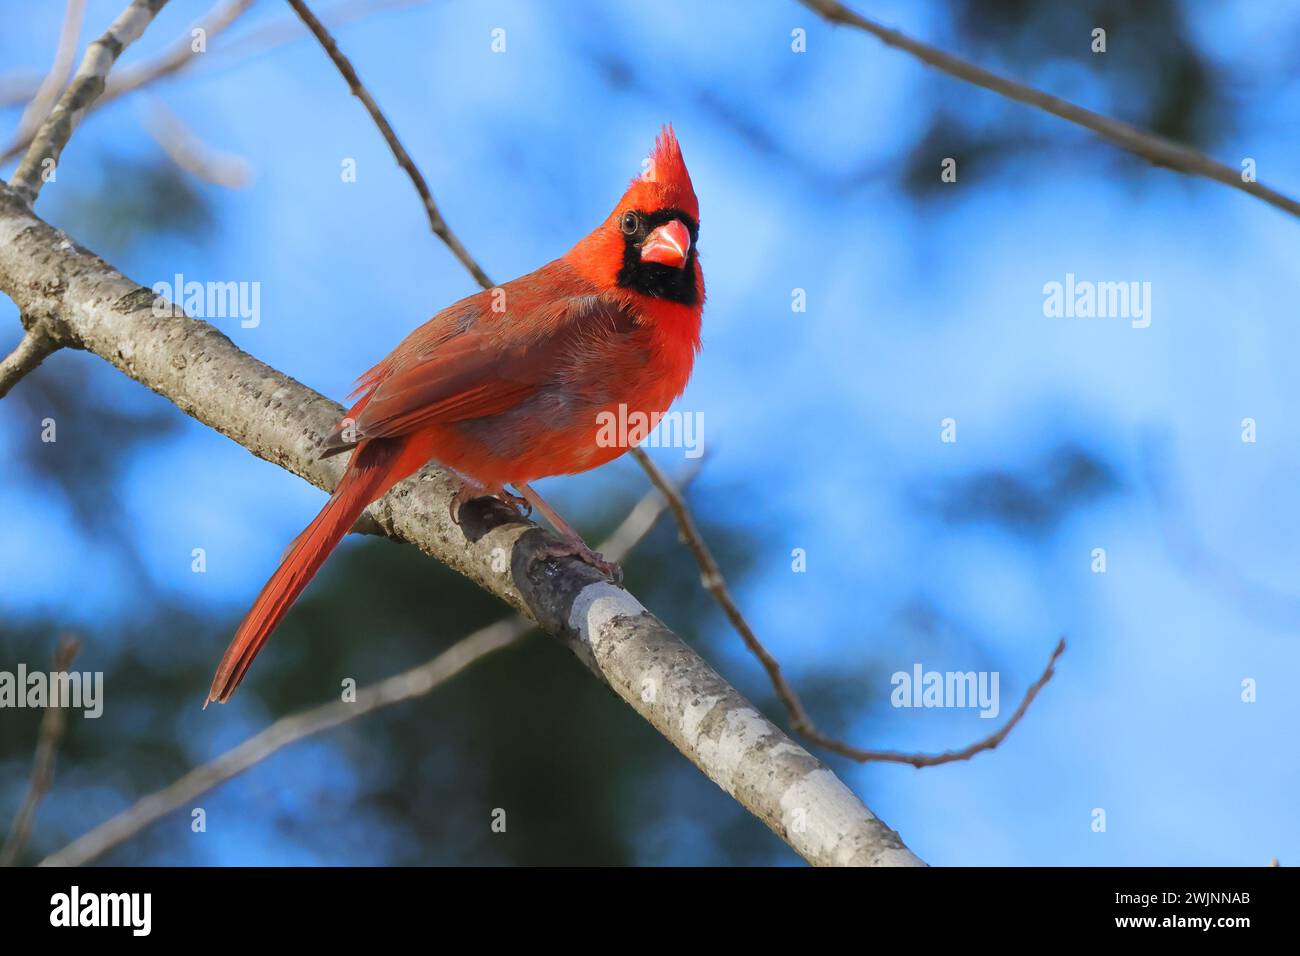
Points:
(513, 384)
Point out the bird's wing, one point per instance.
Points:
(491, 365)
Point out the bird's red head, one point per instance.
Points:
(646, 246)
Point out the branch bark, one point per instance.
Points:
(200, 370)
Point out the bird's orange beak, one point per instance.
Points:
(667, 245)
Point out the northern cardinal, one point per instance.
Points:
(509, 385)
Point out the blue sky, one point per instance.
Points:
(823, 427)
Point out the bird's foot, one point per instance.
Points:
(469, 490)
(577, 548)
(520, 504)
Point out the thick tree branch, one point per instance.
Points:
(201, 371)
(86, 86)
(1146, 145)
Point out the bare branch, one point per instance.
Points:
(418, 681)
(1149, 146)
(436, 222)
(47, 145)
(35, 345)
(712, 580)
(53, 723)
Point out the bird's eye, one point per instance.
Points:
(629, 223)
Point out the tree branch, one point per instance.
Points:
(35, 346)
(1149, 146)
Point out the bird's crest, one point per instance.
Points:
(664, 182)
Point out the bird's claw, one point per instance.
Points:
(576, 548)
(467, 493)
(520, 504)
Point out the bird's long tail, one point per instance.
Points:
(376, 466)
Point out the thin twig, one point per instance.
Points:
(436, 222)
(48, 92)
(53, 723)
(1149, 146)
(35, 346)
(54, 132)
(712, 580)
(415, 682)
